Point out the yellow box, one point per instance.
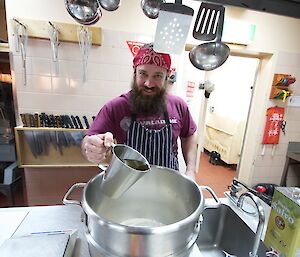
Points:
(283, 231)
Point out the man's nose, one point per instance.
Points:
(149, 82)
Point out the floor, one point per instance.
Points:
(217, 177)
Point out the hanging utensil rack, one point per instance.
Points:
(67, 32)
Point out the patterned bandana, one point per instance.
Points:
(146, 55)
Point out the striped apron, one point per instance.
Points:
(155, 145)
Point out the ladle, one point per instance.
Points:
(151, 7)
(211, 55)
(89, 12)
(109, 5)
(84, 12)
(126, 168)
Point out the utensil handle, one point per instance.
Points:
(104, 166)
(218, 202)
(71, 189)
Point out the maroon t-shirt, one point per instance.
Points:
(115, 117)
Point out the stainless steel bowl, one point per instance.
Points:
(158, 216)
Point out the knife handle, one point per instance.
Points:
(74, 121)
(31, 120)
(63, 121)
(51, 121)
(23, 118)
(47, 121)
(69, 121)
(37, 119)
(79, 122)
(57, 121)
(86, 122)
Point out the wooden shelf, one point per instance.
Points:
(50, 147)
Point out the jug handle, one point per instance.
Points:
(71, 189)
(218, 202)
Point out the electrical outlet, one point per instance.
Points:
(293, 101)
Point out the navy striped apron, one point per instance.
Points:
(155, 145)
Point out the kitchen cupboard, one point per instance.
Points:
(49, 147)
(52, 162)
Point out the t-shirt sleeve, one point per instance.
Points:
(102, 123)
(188, 124)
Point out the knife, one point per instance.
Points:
(42, 118)
(37, 119)
(69, 121)
(31, 120)
(47, 120)
(57, 120)
(79, 122)
(51, 121)
(24, 121)
(64, 121)
(86, 122)
(74, 121)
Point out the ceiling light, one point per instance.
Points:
(173, 25)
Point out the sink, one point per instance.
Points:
(224, 234)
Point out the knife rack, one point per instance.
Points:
(49, 147)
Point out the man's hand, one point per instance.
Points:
(96, 148)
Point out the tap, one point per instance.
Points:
(261, 220)
(236, 187)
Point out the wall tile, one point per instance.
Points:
(292, 126)
(39, 48)
(109, 55)
(41, 66)
(60, 85)
(293, 113)
(69, 51)
(289, 59)
(125, 57)
(126, 73)
(110, 39)
(126, 36)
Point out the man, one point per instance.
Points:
(146, 118)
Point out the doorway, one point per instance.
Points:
(225, 120)
(226, 112)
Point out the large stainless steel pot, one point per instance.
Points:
(158, 216)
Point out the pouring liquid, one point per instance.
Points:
(135, 164)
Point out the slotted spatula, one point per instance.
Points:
(207, 22)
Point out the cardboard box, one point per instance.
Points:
(283, 231)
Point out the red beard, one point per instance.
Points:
(148, 104)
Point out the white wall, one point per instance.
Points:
(109, 67)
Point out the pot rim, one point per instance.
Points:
(146, 230)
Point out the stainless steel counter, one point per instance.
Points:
(60, 217)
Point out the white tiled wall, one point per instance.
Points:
(269, 168)
(59, 88)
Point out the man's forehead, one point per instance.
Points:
(151, 68)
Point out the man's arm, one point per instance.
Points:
(189, 151)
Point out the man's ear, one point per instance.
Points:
(168, 74)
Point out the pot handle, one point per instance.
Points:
(218, 202)
(71, 189)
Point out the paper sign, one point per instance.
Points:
(134, 46)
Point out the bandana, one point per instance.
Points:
(146, 55)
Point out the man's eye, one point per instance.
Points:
(158, 76)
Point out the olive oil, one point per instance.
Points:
(137, 165)
(283, 231)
